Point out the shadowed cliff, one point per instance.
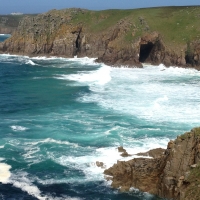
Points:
(168, 35)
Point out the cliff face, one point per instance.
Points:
(175, 174)
(9, 23)
(6, 30)
(115, 37)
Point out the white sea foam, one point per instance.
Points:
(30, 62)
(23, 181)
(18, 128)
(5, 35)
(32, 149)
(4, 172)
(100, 76)
(50, 140)
(83, 61)
(1, 147)
(151, 93)
(107, 155)
(20, 180)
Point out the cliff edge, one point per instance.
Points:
(174, 174)
(168, 35)
(9, 23)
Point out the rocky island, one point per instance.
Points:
(168, 35)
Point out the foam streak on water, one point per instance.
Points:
(59, 116)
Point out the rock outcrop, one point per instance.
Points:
(173, 175)
(7, 30)
(125, 40)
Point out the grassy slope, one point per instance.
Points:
(177, 25)
(194, 188)
(11, 20)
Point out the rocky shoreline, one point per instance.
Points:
(67, 33)
(173, 173)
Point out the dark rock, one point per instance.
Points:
(154, 153)
(99, 164)
(121, 149)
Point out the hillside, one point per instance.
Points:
(9, 23)
(169, 35)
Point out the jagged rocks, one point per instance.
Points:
(154, 153)
(123, 152)
(168, 175)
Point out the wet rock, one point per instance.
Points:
(99, 164)
(121, 149)
(154, 153)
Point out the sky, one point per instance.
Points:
(39, 6)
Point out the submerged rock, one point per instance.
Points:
(173, 173)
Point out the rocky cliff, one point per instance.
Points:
(6, 30)
(9, 23)
(116, 37)
(174, 174)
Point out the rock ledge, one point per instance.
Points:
(173, 174)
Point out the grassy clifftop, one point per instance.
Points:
(177, 25)
(169, 35)
(10, 22)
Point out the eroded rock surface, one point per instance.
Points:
(125, 42)
(174, 174)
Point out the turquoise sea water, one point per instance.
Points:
(4, 37)
(59, 116)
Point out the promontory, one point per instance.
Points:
(168, 35)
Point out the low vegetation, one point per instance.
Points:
(177, 25)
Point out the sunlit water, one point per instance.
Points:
(59, 116)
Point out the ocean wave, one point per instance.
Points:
(57, 62)
(4, 172)
(25, 182)
(82, 61)
(18, 128)
(150, 93)
(30, 62)
(107, 155)
(99, 77)
(50, 140)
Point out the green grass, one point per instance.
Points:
(12, 20)
(177, 25)
(193, 189)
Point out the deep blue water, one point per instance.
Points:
(59, 116)
(4, 37)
